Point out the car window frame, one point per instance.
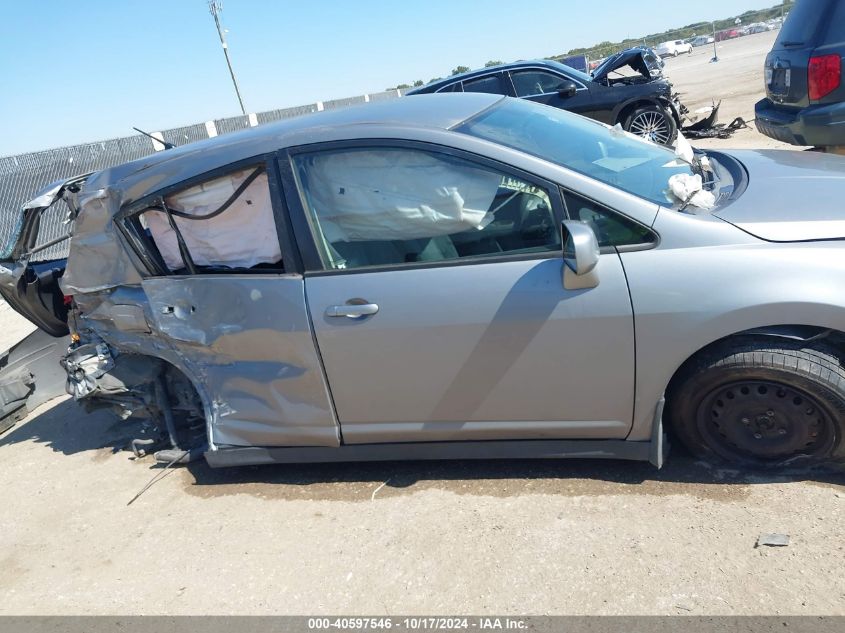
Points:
(450, 87)
(152, 264)
(503, 85)
(624, 248)
(312, 262)
(579, 85)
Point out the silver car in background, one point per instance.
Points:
(452, 276)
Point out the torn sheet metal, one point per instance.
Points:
(31, 375)
(707, 122)
(248, 341)
(709, 127)
(98, 259)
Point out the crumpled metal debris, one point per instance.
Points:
(709, 128)
(773, 540)
(721, 130)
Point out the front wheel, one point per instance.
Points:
(652, 122)
(761, 403)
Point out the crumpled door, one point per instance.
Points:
(248, 341)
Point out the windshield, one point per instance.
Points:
(607, 154)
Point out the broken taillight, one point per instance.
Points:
(824, 76)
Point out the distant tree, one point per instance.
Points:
(497, 62)
(460, 69)
(402, 86)
(433, 79)
(418, 83)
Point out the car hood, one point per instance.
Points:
(792, 196)
(648, 65)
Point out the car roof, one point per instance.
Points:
(144, 176)
(436, 85)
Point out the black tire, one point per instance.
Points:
(761, 402)
(652, 122)
(675, 54)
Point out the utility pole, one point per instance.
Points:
(215, 7)
(715, 54)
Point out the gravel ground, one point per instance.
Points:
(579, 537)
(736, 80)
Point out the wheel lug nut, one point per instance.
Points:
(781, 431)
(770, 413)
(758, 436)
(746, 421)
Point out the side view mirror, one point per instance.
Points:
(580, 255)
(567, 88)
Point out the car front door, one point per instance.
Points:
(436, 299)
(544, 86)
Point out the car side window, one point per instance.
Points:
(389, 206)
(225, 223)
(489, 84)
(529, 83)
(611, 229)
(455, 87)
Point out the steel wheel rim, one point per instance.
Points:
(652, 125)
(765, 421)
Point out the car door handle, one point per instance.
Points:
(352, 310)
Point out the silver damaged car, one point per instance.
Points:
(451, 276)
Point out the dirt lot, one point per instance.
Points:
(736, 80)
(578, 537)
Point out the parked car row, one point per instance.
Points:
(750, 29)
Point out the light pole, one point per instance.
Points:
(215, 7)
(715, 54)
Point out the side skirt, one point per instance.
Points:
(522, 449)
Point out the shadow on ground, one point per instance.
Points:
(499, 478)
(64, 427)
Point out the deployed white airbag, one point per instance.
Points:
(689, 189)
(396, 194)
(243, 235)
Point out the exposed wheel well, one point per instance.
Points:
(762, 397)
(186, 403)
(804, 333)
(151, 388)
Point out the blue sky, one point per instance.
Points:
(87, 70)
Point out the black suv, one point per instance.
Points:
(640, 99)
(805, 102)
